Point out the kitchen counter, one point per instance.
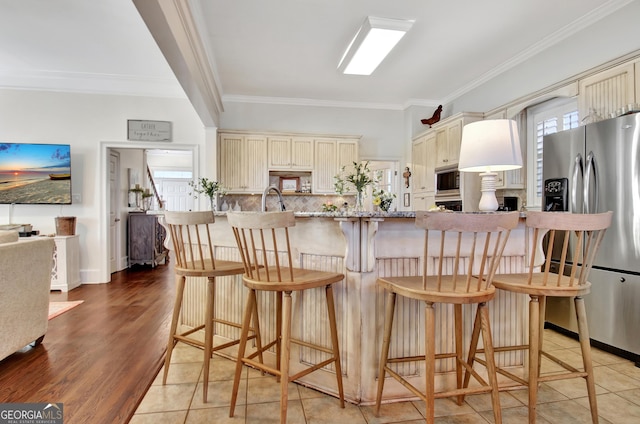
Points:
(363, 246)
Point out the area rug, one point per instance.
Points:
(59, 308)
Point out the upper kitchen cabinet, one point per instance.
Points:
(290, 153)
(423, 157)
(242, 164)
(448, 137)
(606, 92)
(330, 156)
(246, 158)
(448, 145)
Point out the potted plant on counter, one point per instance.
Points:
(357, 180)
(212, 189)
(383, 200)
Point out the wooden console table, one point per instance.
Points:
(145, 239)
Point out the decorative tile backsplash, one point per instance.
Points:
(297, 203)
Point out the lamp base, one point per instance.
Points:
(488, 201)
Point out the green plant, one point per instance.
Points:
(383, 199)
(207, 187)
(329, 207)
(359, 179)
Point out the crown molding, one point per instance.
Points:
(90, 83)
(547, 42)
(293, 101)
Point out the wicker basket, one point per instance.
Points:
(65, 225)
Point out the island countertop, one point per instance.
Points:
(354, 214)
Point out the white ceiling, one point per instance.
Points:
(284, 50)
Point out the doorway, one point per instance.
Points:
(116, 245)
(385, 176)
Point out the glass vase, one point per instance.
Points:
(359, 201)
(214, 203)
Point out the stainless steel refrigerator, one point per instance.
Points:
(591, 169)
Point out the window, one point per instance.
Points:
(546, 118)
(159, 174)
(385, 176)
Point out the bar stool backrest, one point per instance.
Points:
(570, 238)
(192, 241)
(477, 238)
(263, 241)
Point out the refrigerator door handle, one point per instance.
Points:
(592, 168)
(578, 171)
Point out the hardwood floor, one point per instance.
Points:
(99, 358)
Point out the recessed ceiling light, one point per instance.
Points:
(372, 43)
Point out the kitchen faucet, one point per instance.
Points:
(264, 198)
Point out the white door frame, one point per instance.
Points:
(105, 148)
(115, 224)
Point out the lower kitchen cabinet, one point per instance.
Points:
(146, 239)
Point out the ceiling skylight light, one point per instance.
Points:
(371, 44)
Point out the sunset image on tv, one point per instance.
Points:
(35, 173)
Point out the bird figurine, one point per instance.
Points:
(435, 118)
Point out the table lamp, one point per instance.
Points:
(486, 147)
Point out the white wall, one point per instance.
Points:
(610, 38)
(381, 130)
(84, 121)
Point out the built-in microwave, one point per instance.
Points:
(447, 182)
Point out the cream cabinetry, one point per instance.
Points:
(448, 134)
(423, 201)
(423, 157)
(245, 158)
(439, 147)
(287, 153)
(607, 91)
(330, 156)
(242, 163)
(448, 144)
(637, 79)
(511, 179)
(423, 154)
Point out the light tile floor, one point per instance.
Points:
(560, 402)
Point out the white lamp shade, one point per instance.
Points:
(491, 145)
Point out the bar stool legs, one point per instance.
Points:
(208, 326)
(180, 281)
(583, 331)
(481, 324)
(334, 341)
(282, 342)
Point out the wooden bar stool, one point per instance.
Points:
(575, 239)
(263, 240)
(470, 244)
(195, 257)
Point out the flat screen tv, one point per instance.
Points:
(35, 173)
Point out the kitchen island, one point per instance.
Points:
(362, 246)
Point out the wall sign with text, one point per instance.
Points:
(148, 130)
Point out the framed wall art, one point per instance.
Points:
(289, 184)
